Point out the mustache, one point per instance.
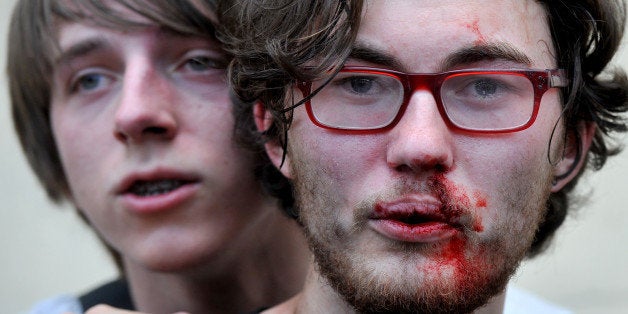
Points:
(457, 205)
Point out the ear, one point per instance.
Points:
(274, 150)
(574, 154)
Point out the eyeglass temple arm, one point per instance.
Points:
(557, 78)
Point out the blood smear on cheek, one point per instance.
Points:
(480, 199)
(480, 202)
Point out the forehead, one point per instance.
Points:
(187, 17)
(420, 34)
(105, 13)
(83, 25)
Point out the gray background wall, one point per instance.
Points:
(47, 250)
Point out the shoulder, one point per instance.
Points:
(519, 302)
(57, 305)
(114, 293)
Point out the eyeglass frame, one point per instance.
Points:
(542, 81)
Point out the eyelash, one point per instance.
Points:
(75, 84)
(203, 59)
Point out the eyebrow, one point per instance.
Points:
(80, 49)
(83, 48)
(374, 55)
(485, 52)
(466, 55)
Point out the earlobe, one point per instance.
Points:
(573, 158)
(274, 149)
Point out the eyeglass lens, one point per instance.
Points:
(474, 101)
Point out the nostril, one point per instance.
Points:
(424, 164)
(403, 168)
(120, 136)
(139, 122)
(147, 133)
(155, 130)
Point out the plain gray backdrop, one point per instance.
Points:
(47, 250)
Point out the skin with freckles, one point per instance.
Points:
(422, 217)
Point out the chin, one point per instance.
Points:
(173, 256)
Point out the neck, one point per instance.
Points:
(318, 296)
(253, 274)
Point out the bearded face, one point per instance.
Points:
(422, 216)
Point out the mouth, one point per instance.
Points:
(158, 191)
(154, 183)
(145, 188)
(415, 220)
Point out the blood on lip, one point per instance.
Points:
(455, 199)
(453, 207)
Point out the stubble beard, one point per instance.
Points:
(366, 286)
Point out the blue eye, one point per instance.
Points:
(201, 64)
(361, 85)
(89, 82)
(485, 87)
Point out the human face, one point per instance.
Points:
(424, 217)
(143, 124)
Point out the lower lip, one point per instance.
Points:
(418, 233)
(160, 202)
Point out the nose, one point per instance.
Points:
(421, 140)
(145, 108)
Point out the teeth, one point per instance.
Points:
(149, 188)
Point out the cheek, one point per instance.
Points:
(66, 138)
(491, 160)
(504, 178)
(346, 161)
(82, 153)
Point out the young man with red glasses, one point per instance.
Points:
(440, 152)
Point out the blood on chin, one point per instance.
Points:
(412, 275)
(450, 259)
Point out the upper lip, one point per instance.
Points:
(415, 209)
(153, 175)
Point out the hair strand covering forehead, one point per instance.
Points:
(299, 39)
(192, 17)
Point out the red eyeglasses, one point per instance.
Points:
(485, 101)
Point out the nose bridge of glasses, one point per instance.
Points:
(427, 84)
(424, 81)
